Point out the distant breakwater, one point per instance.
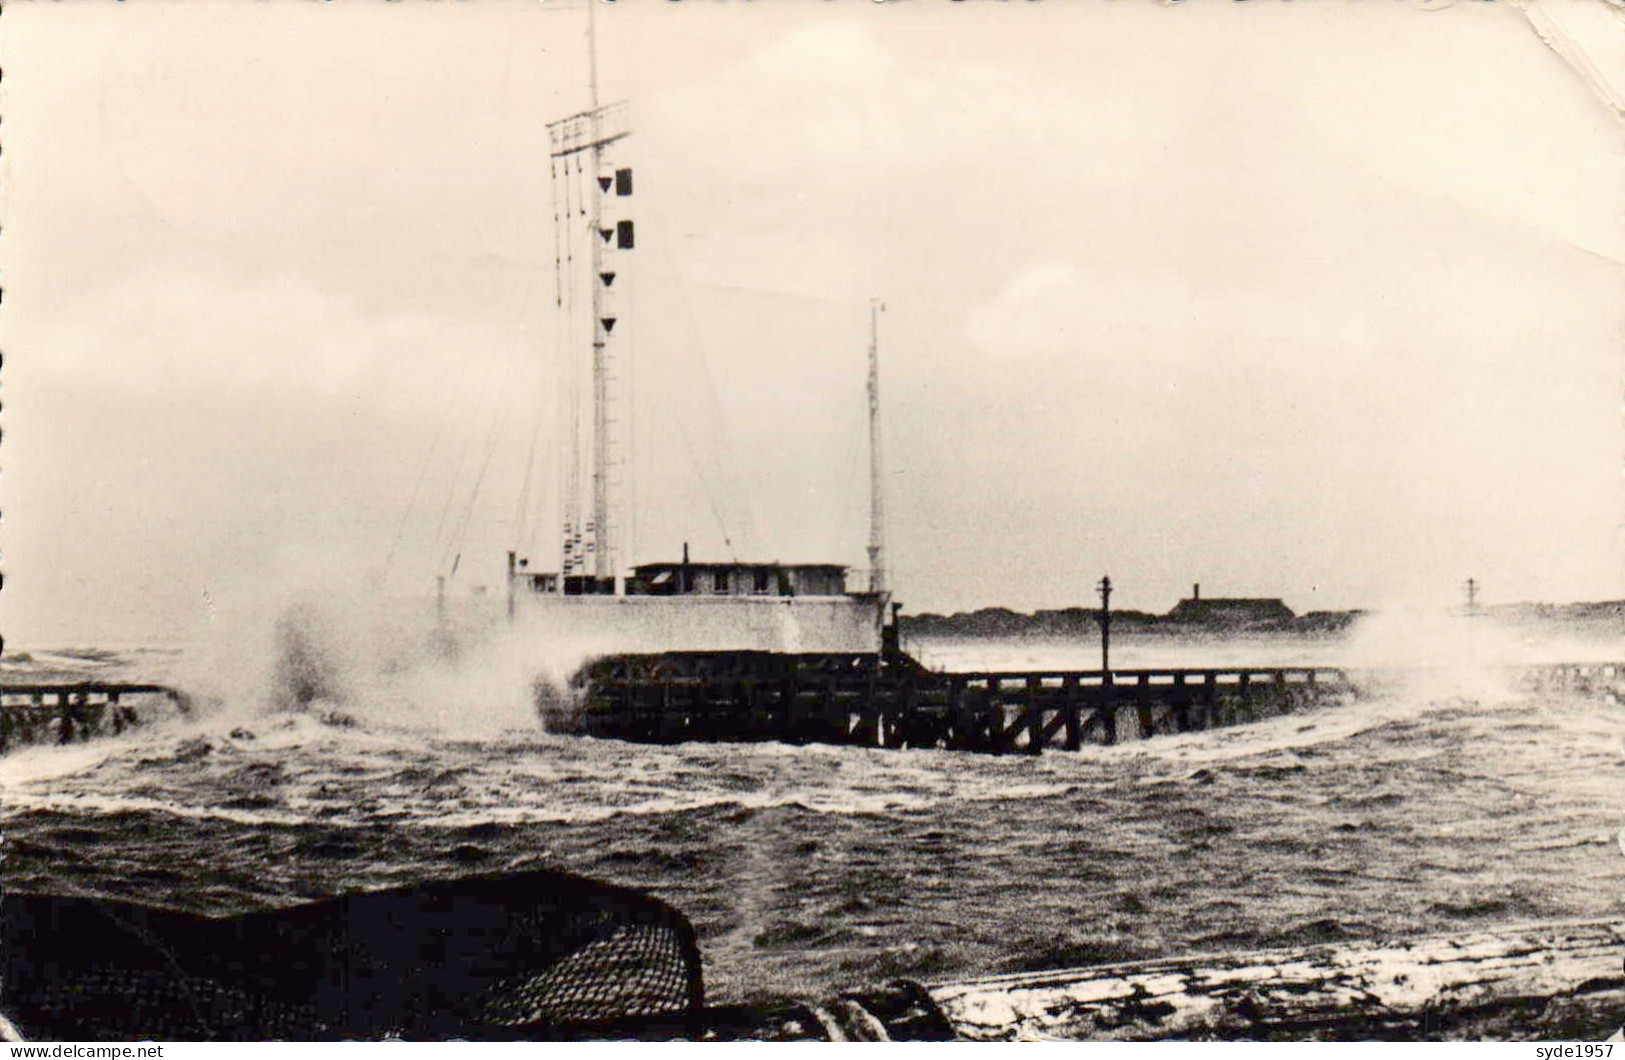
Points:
(1079, 622)
(1219, 617)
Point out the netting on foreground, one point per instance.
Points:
(535, 954)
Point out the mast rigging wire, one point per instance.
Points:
(442, 542)
(655, 247)
(485, 463)
(524, 514)
(417, 486)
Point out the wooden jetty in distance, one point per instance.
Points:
(871, 701)
(1578, 679)
(64, 713)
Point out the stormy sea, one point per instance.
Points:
(1449, 801)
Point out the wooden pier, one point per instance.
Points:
(65, 713)
(862, 700)
(1575, 679)
(869, 700)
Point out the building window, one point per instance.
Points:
(720, 580)
(763, 580)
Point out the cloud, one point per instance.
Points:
(180, 333)
(844, 101)
(825, 52)
(1051, 312)
(1036, 312)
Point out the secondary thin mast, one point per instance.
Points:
(604, 547)
(877, 506)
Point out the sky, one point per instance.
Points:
(1317, 301)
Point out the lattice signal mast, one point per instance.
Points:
(593, 192)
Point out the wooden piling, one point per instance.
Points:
(1142, 707)
(1071, 710)
(990, 717)
(1035, 716)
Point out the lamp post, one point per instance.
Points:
(1104, 588)
(1472, 588)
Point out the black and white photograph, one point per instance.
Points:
(814, 520)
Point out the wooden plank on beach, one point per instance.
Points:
(1552, 977)
(1552, 982)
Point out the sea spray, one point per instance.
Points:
(1428, 654)
(464, 669)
